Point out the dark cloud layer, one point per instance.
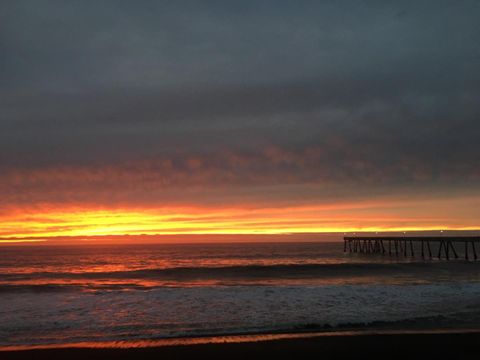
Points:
(238, 94)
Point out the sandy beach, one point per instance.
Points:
(374, 346)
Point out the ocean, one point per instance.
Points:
(127, 293)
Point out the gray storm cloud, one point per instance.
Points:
(282, 92)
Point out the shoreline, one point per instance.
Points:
(247, 337)
(413, 344)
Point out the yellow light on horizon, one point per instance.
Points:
(194, 220)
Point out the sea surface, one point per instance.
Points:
(127, 293)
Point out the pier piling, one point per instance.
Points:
(398, 245)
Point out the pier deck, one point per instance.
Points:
(404, 245)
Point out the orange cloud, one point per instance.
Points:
(382, 215)
(272, 191)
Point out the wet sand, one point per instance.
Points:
(379, 346)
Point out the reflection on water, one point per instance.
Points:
(146, 266)
(134, 293)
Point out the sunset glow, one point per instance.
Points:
(386, 215)
(138, 128)
(225, 180)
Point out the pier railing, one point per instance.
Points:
(404, 245)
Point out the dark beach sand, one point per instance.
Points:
(398, 346)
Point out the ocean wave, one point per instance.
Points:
(231, 271)
(56, 288)
(166, 313)
(278, 274)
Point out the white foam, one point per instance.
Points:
(36, 318)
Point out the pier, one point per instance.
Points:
(410, 246)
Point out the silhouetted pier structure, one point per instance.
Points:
(404, 245)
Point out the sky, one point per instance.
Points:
(238, 117)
